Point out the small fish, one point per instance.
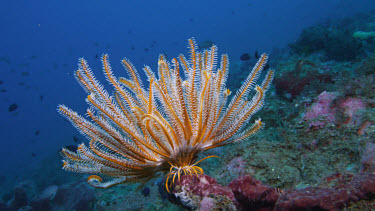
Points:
(41, 97)
(25, 73)
(3, 90)
(256, 54)
(75, 139)
(33, 154)
(205, 44)
(12, 107)
(245, 57)
(1, 82)
(146, 192)
(5, 59)
(37, 132)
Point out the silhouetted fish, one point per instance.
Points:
(41, 97)
(12, 107)
(37, 132)
(256, 54)
(33, 154)
(205, 44)
(245, 57)
(75, 139)
(146, 192)
(5, 59)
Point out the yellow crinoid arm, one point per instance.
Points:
(140, 131)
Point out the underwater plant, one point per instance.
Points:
(137, 134)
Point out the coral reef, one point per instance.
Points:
(321, 112)
(368, 158)
(251, 194)
(364, 35)
(20, 199)
(362, 186)
(327, 108)
(336, 43)
(367, 66)
(292, 83)
(203, 193)
(317, 149)
(73, 196)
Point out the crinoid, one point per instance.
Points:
(137, 133)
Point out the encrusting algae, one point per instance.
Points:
(136, 134)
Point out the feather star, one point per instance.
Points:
(136, 134)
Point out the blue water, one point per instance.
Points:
(42, 40)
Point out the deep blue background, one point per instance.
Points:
(45, 39)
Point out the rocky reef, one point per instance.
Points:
(246, 193)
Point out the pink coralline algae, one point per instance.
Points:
(245, 193)
(235, 168)
(368, 158)
(321, 112)
(361, 187)
(251, 194)
(203, 193)
(351, 106)
(325, 109)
